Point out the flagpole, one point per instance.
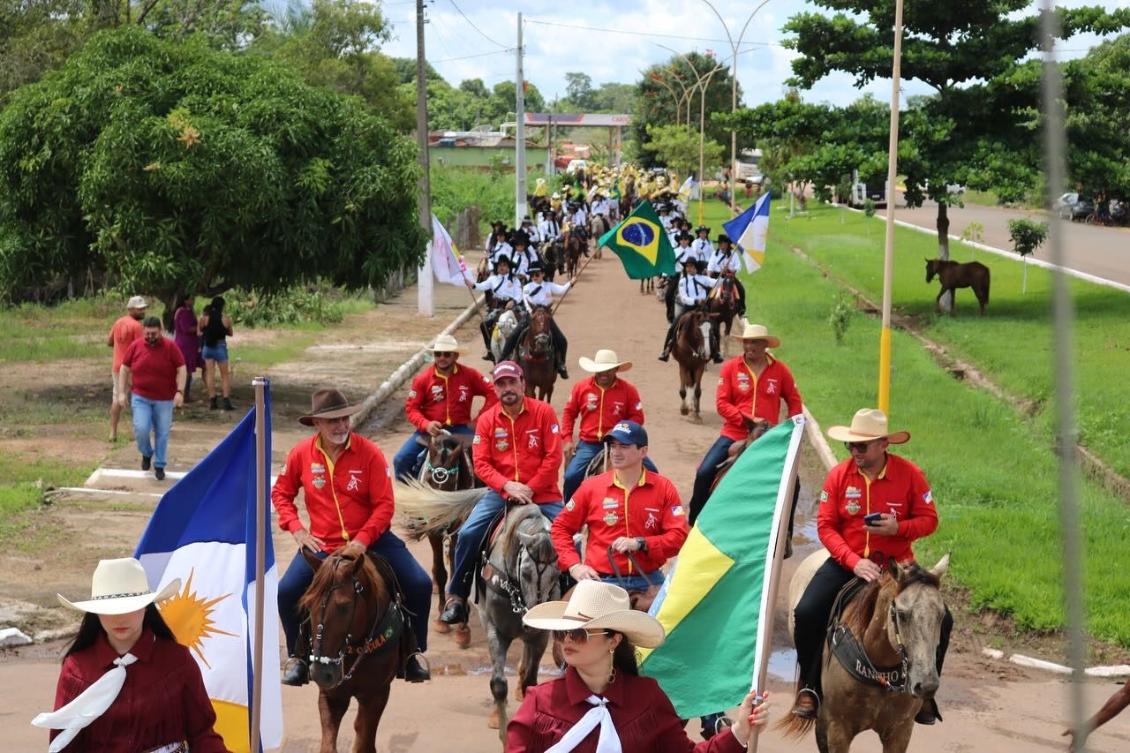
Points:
(889, 246)
(260, 384)
(575, 278)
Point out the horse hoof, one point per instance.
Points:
(440, 627)
(493, 722)
(462, 636)
(684, 410)
(696, 418)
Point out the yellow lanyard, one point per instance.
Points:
(333, 489)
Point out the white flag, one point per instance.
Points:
(447, 262)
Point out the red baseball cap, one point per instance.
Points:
(507, 370)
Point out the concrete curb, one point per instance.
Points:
(819, 443)
(407, 370)
(1116, 670)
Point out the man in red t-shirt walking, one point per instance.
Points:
(155, 366)
(122, 334)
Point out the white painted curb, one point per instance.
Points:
(819, 443)
(1116, 670)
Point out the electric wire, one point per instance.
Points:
(482, 33)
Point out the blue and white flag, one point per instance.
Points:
(749, 230)
(203, 532)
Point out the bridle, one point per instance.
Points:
(504, 583)
(904, 659)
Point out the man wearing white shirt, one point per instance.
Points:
(602, 206)
(531, 232)
(691, 290)
(504, 289)
(726, 260)
(549, 229)
(538, 292)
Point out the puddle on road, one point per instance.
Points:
(782, 664)
(544, 671)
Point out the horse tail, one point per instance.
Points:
(988, 279)
(793, 727)
(425, 510)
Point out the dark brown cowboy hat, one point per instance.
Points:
(328, 404)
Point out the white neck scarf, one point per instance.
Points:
(608, 742)
(88, 706)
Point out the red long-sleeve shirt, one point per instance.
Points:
(650, 509)
(741, 393)
(848, 495)
(600, 409)
(446, 399)
(345, 500)
(525, 449)
(644, 718)
(163, 699)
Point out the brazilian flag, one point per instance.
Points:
(614, 194)
(641, 243)
(716, 604)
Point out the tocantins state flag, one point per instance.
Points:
(641, 243)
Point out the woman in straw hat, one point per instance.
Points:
(126, 684)
(602, 704)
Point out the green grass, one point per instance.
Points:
(22, 484)
(1012, 343)
(994, 477)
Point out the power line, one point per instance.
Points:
(645, 34)
(476, 55)
(476, 28)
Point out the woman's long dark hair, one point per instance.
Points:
(91, 628)
(181, 299)
(624, 657)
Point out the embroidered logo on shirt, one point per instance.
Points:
(652, 521)
(554, 429)
(771, 387)
(743, 382)
(610, 504)
(570, 505)
(823, 496)
(318, 482)
(853, 507)
(317, 468)
(354, 481)
(411, 393)
(477, 440)
(464, 393)
(677, 510)
(532, 440)
(590, 401)
(437, 393)
(611, 518)
(853, 492)
(501, 445)
(617, 409)
(928, 497)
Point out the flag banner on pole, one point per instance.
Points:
(447, 262)
(721, 581)
(750, 229)
(641, 243)
(203, 532)
(689, 189)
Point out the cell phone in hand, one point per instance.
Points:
(872, 519)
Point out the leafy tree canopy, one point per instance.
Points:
(676, 147)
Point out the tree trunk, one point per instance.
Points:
(170, 300)
(946, 302)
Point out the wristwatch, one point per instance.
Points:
(641, 542)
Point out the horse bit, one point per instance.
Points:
(370, 645)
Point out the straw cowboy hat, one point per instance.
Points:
(756, 332)
(866, 425)
(119, 587)
(605, 360)
(446, 344)
(593, 606)
(328, 404)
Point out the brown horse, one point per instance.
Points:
(553, 254)
(954, 275)
(896, 620)
(536, 356)
(575, 247)
(357, 631)
(722, 306)
(692, 333)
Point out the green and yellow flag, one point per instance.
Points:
(641, 243)
(716, 602)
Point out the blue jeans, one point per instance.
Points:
(635, 582)
(471, 538)
(583, 455)
(415, 585)
(410, 456)
(154, 416)
(704, 476)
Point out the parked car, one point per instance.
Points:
(1072, 206)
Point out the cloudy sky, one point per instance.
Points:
(470, 38)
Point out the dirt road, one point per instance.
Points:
(988, 706)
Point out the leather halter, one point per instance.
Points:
(499, 579)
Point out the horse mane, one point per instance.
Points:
(915, 573)
(515, 517)
(324, 578)
(859, 612)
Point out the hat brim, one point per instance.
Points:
(845, 434)
(593, 367)
(349, 410)
(457, 349)
(773, 342)
(641, 629)
(123, 605)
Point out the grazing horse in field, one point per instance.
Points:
(722, 305)
(692, 333)
(536, 356)
(890, 630)
(357, 631)
(954, 275)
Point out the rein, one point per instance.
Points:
(499, 579)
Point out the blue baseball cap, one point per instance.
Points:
(627, 432)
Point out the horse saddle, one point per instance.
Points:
(487, 575)
(849, 652)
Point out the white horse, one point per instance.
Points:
(503, 328)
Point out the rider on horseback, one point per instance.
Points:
(538, 292)
(578, 222)
(506, 292)
(871, 482)
(531, 232)
(701, 243)
(690, 293)
(683, 252)
(549, 229)
(500, 246)
(725, 261)
(524, 257)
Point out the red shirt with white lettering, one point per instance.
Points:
(600, 409)
(650, 509)
(848, 495)
(525, 449)
(350, 499)
(741, 392)
(153, 368)
(446, 399)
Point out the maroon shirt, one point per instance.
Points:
(153, 370)
(644, 717)
(163, 700)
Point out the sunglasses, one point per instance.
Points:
(858, 446)
(443, 353)
(578, 635)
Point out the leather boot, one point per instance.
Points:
(416, 669)
(929, 713)
(296, 672)
(454, 611)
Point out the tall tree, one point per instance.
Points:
(579, 91)
(676, 147)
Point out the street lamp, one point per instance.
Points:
(734, 88)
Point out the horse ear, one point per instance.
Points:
(311, 559)
(895, 569)
(943, 564)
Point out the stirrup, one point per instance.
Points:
(815, 708)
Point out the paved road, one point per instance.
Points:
(1100, 251)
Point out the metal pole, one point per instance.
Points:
(889, 248)
(260, 384)
(520, 138)
(424, 299)
(1062, 353)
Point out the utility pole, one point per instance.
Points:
(520, 138)
(425, 304)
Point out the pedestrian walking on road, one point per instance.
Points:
(155, 367)
(216, 327)
(125, 330)
(186, 336)
(127, 685)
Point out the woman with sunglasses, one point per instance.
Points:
(602, 703)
